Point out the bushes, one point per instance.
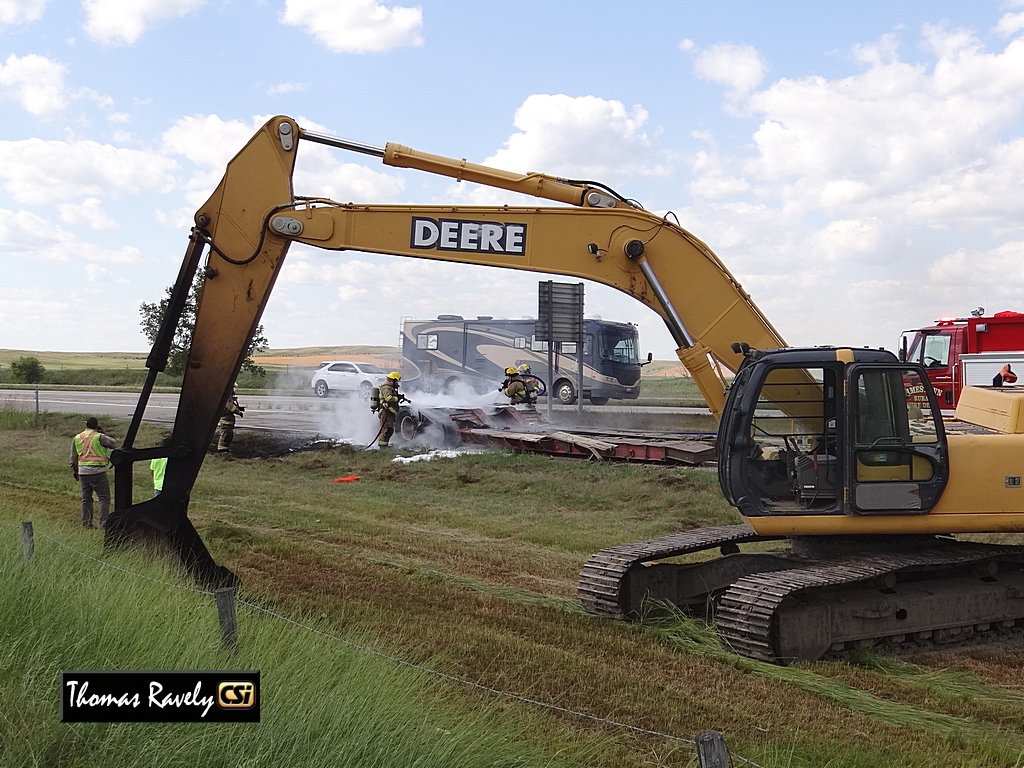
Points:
(27, 370)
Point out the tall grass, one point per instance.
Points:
(322, 703)
(697, 637)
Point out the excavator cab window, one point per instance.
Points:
(793, 463)
(898, 457)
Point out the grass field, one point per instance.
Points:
(468, 566)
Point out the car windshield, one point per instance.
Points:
(619, 345)
(368, 368)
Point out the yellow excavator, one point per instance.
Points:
(839, 451)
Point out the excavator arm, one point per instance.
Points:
(253, 216)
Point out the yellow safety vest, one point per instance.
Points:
(91, 452)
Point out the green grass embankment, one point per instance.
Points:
(323, 703)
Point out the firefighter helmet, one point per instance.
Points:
(524, 368)
(511, 371)
(395, 376)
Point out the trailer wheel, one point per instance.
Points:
(450, 384)
(599, 400)
(565, 392)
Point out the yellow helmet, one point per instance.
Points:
(511, 371)
(524, 368)
(395, 376)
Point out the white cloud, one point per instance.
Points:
(739, 68)
(210, 142)
(118, 117)
(686, 44)
(899, 137)
(20, 11)
(41, 320)
(584, 136)
(24, 235)
(96, 273)
(119, 22)
(88, 213)
(39, 172)
(277, 90)
(1009, 24)
(35, 82)
(845, 238)
(319, 172)
(711, 181)
(356, 26)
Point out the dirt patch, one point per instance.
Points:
(257, 444)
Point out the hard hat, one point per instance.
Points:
(511, 371)
(524, 368)
(395, 376)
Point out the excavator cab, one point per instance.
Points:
(830, 432)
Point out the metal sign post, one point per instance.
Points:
(560, 321)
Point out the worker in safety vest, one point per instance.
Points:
(90, 454)
(530, 382)
(515, 387)
(386, 406)
(159, 468)
(226, 425)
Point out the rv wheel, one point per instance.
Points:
(565, 392)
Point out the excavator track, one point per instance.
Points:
(748, 614)
(600, 587)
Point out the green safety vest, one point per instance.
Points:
(91, 452)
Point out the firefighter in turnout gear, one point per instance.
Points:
(226, 426)
(90, 452)
(514, 387)
(386, 405)
(530, 382)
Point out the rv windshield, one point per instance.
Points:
(619, 345)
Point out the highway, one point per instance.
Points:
(336, 416)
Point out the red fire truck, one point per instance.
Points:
(966, 351)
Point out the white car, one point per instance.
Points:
(347, 376)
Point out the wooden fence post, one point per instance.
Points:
(228, 619)
(711, 750)
(27, 542)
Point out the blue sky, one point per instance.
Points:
(857, 166)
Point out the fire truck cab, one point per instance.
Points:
(965, 351)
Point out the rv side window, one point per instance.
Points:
(520, 342)
(587, 341)
(538, 346)
(426, 341)
(568, 347)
